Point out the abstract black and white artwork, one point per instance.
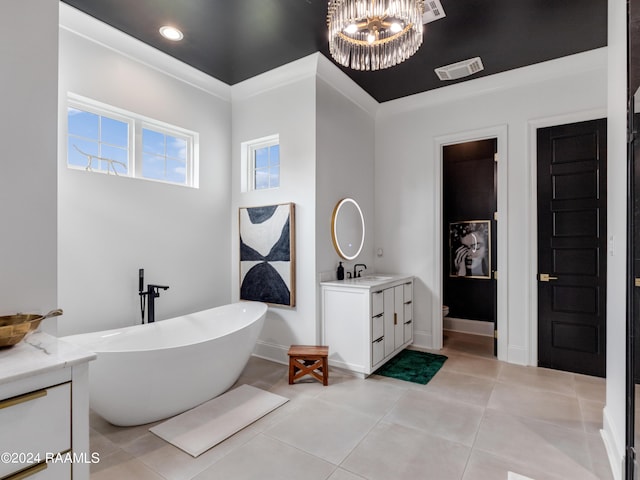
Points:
(267, 254)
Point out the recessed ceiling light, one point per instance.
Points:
(171, 33)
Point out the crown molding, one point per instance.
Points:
(592, 60)
(289, 73)
(334, 76)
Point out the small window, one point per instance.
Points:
(97, 142)
(109, 140)
(164, 156)
(264, 163)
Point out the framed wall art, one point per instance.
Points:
(470, 249)
(267, 254)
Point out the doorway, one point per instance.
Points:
(572, 256)
(470, 236)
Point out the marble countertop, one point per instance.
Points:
(370, 281)
(39, 353)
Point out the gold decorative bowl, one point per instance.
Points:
(13, 328)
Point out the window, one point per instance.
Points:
(263, 162)
(102, 139)
(97, 142)
(164, 156)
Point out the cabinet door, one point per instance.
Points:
(398, 307)
(389, 321)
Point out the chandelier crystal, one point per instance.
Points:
(374, 34)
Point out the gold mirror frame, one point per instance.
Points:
(344, 246)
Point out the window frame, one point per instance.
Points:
(136, 124)
(249, 149)
(111, 114)
(172, 132)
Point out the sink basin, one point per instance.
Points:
(373, 278)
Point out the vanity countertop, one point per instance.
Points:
(39, 353)
(370, 281)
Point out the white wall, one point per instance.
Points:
(614, 413)
(110, 226)
(28, 188)
(345, 127)
(326, 128)
(408, 178)
(280, 102)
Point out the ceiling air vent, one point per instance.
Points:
(460, 69)
(432, 11)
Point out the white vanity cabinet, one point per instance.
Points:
(44, 410)
(366, 321)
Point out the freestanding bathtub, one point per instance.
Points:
(153, 371)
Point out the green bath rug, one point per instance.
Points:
(412, 366)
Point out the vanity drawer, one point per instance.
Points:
(377, 304)
(408, 331)
(377, 326)
(35, 423)
(377, 350)
(408, 312)
(408, 292)
(56, 470)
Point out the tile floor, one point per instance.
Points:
(477, 419)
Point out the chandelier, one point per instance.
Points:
(374, 34)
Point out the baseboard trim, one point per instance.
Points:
(422, 339)
(464, 325)
(517, 355)
(614, 451)
(271, 351)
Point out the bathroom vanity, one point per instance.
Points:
(44, 410)
(366, 321)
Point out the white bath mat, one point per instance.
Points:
(517, 476)
(203, 427)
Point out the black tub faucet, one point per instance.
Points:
(356, 272)
(151, 294)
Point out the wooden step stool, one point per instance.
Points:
(306, 359)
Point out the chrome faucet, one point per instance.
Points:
(356, 272)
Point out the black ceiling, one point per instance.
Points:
(233, 40)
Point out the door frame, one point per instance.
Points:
(532, 287)
(500, 133)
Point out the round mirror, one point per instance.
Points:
(347, 228)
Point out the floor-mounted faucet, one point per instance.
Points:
(356, 272)
(151, 294)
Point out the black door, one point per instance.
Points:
(572, 256)
(470, 230)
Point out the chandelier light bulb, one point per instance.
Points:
(395, 27)
(351, 28)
